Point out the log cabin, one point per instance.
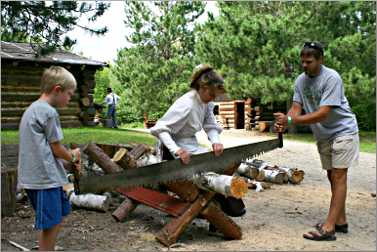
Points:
(21, 71)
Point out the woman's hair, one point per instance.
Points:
(57, 75)
(208, 77)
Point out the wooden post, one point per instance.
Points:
(8, 191)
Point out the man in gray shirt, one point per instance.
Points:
(320, 92)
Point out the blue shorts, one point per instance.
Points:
(50, 206)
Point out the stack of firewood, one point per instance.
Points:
(260, 170)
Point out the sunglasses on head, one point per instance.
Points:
(314, 45)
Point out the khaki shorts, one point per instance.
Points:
(339, 153)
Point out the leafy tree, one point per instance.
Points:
(104, 79)
(156, 69)
(256, 45)
(47, 22)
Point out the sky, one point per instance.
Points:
(104, 48)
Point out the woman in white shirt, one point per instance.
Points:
(191, 113)
(188, 115)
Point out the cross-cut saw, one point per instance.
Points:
(173, 170)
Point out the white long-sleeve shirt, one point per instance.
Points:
(187, 116)
(112, 98)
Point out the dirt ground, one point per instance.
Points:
(276, 218)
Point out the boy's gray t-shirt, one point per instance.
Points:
(38, 168)
(326, 89)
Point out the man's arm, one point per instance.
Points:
(315, 117)
(295, 113)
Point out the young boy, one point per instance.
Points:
(40, 171)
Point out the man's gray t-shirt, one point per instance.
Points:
(326, 89)
(37, 166)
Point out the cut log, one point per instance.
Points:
(127, 159)
(124, 210)
(295, 176)
(273, 175)
(111, 149)
(123, 159)
(223, 184)
(96, 154)
(88, 201)
(171, 231)
(223, 223)
(248, 170)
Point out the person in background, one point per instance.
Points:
(320, 92)
(188, 115)
(40, 169)
(111, 101)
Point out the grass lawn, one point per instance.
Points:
(86, 135)
(367, 140)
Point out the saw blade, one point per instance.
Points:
(173, 170)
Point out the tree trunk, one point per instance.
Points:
(101, 158)
(223, 184)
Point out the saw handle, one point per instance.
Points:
(280, 136)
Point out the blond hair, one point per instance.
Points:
(57, 75)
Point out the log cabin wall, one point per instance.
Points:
(247, 114)
(21, 73)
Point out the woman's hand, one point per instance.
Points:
(218, 149)
(184, 155)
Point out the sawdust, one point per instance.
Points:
(276, 218)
